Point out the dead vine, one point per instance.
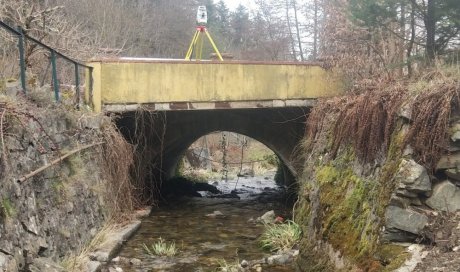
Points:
(431, 111)
(4, 157)
(365, 121)
(118, 160)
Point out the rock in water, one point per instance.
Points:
(268, 217)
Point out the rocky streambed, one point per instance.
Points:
(211, 232)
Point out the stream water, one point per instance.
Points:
(204, 241)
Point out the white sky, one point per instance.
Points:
(232, 4)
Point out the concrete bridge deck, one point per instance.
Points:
(125, 84)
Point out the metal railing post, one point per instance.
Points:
(22, 62)
(54, 73)
(77, 84)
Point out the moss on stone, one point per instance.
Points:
(391, 256)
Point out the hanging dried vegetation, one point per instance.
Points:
(431, 112)
(367, 121)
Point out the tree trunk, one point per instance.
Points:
(410, 45)
(294, 5)
(402, 29)
(291, 36)
(430, 25)
(315, 30)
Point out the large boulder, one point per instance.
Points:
(412, 179)
(445, 197)
(405, 219)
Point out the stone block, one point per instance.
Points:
(455, 132)
(45, 264)
(453, 173)
(446, 197)
(413, 177)
(405, 219)
(449, 161)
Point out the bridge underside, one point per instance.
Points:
(163, 137)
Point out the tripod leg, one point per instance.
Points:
(214, 45)
(200, 50)
(190, 49)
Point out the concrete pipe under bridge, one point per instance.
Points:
(280, 129)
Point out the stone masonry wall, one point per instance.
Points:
(352, 212)
(57, 211)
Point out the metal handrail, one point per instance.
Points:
(54, 54)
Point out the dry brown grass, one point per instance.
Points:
(367, 120)
(431, 111)
(117, 161)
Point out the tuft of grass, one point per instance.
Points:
(74, 263)
(161, 248)
(225, 266)
(279, 237)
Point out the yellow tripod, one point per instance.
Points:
(197, 44)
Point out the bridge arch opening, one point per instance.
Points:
(226, 164)
(227, 155)
(161, 138)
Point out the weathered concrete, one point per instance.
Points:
(149, 81)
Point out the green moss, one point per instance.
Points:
(352, 207)
(391, 256)
(327, 174)
(347, 207)
(8, 209)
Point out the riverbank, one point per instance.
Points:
(377, 165)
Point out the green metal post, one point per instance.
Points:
(22, 62)
(77, 85)
(55, 79)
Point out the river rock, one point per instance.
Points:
(215, 214)
(115, 269)
(93, 266)
(446, 197)
(135, 262)
(283, 258)
(268, 217)
(405, 219)
(413, 178)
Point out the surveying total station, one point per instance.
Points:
(196, 46)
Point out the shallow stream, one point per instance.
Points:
(205, 241)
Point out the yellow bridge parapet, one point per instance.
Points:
(126, 83)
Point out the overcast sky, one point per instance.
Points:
(232, 4)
